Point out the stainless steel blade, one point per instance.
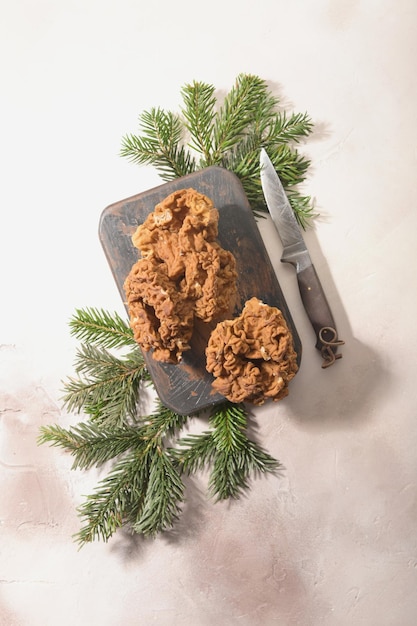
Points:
(295, 250)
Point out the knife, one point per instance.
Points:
(295, 252)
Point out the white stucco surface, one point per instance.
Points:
(333, 541)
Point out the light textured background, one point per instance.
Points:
(333, 541)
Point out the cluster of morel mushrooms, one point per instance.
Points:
(184, 274)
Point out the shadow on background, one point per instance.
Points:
(349, 391)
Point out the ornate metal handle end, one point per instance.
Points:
(330, 341)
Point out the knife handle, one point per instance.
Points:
(319, 314)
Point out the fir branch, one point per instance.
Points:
(243, 160)
(160, 144)
(107, 386)
(234, 459)
(99, 327)
(242, 105)
(199, 112)
(144, 488)
(289, 128)
(289, 163)
(118, 498)
(164, 495)
(229, 134)
(91, 444)
(232, 471)
(237, 457)
(163, 422)
(194, 452)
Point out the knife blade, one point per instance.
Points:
(296, 253)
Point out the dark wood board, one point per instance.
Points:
(187, 387)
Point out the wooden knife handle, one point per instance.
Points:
(319, 314)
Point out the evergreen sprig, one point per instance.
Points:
(99, 327)
(90, 444)
(160, 144)
(107, 386)
(143, 488)
(228, 133)
(233, 458)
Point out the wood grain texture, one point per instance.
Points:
(187, 387)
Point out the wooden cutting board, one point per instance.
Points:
(187, 387)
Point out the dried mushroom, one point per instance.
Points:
(160, 318)
(252, 357)
(183, 273)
